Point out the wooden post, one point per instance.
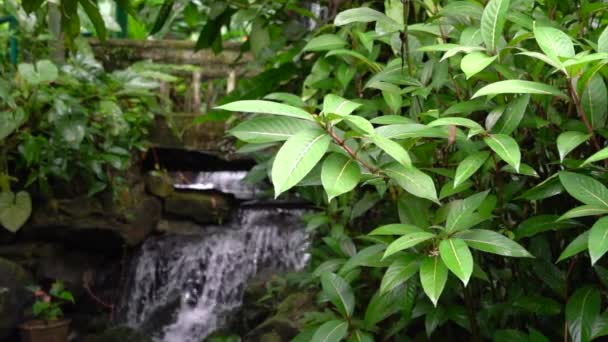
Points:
(196, 92)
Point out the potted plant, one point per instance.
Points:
(49, 324)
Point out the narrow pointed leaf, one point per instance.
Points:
(554, 43)
(339, 175)
(339, 293)
(469, 166)
(512, 116)
(393, 149)
(261, 130)
(325, 42)
(413, 181)
(396, 229)
(433, 276)
(267, 107)
(584, 210)
(297, 157)
(598, 239)
(568, 141)
(582, 309)
(595, 101)
(576, 246)
(584, 188)
(602, 42)
(506, 148)
(475, 62)
(456, 121)
(492, 242)
(331, 331)
(333, 104)
(597, 156)
(493, 21)
(407, 241)
(402, 269)
(519, 87)
(457, 257)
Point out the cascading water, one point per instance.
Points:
(183, 287)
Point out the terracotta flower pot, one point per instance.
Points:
(45, 331)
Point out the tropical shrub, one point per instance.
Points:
(454, 141)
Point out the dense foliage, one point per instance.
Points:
(461, 150)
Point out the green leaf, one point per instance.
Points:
(595, 101)
(325, 42)
(261, 130)
(584, 188)
(461, 212)
(339, 293)
(359, 124)
(339, 175)
(396, 229)
(506, 148)
(458, 258)
(163, 14)
(393, 149)
(597, 156)
(576, 246)
(475, 62)
(297, 157)
(512, 116)
(582, 309)
(584, 210)
(369, 256)
(366, 15)
(15, 209)
(469, 166)
(333, 104)
(554, 43)
(568, 141)
(602, 42)
(492, 22)
(456, 121)
(598, 239)
(92, 11)
(519, 87)
(407, 241)
(332, 331)
(402, 269)
(287, 98)
(433, 276)
(383, 305)
(492, 242)
(266, 107)
(413, 181)
(539, 224)
(360, 336)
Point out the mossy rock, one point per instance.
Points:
(159, 183)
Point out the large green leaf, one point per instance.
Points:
(456, 121)
(334, 104)
(512, 116)
(597, 156)
(492, 22)
(331, 331)
(92, 11)
(584, 210)
(469, 166)
(461, 212)
(366, 15)
(519, 87)
(506, 148)
(582, 310)
(539, 224)
(266, 107)
(402, 269)
(554, 43)
(261, 130)
(475, 62)
(492, 242)
(393, 149)
(584, 188)
(396, 229)
(382, 305)
(325, 42)
(407, 241)
(598, 239)
(433, 276)
(413, 181)
(339, 293)
(576, 246)
(602, 42)
(457, 257)
(297, 157)
(568, 141)
(339, 174)
(15, 209)
(595, 101)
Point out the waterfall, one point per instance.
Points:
(183, 287)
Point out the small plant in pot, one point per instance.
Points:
(49, 324)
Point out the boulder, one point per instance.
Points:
(159, 183)
(14, 297)
(198, 206)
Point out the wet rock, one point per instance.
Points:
(200, 207)
(159, 183)
(96, 223)
(180, 227)
(14, 297)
